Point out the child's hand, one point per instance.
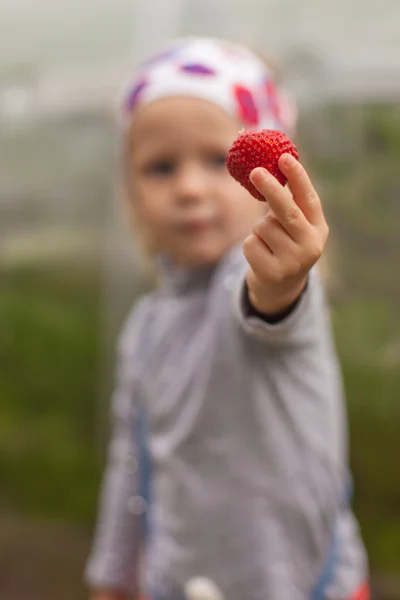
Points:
(287, 242)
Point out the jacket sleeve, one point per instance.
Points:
(301, 327)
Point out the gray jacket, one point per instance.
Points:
(248, 443)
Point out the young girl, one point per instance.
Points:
(230, 362)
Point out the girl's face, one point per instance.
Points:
(193, 210)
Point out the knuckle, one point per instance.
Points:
(291, 214)
(272, 222)
(312, 197)
(315, 250)
(251, 250)
(260, 227)
(248, 245)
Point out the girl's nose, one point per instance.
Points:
(190, 183)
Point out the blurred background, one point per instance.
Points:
(68, 271)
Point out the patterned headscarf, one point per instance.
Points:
(227, 74)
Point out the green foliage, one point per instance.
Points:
(49, 323)
(374, 415)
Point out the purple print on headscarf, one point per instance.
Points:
(197, 69)
(134, 95)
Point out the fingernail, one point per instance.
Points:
(289, 160)
(259, 174)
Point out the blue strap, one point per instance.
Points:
(328, 571)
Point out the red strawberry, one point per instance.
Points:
(258, 149)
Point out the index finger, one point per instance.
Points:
(281, 203)
(302, 189)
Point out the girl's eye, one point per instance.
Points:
(218, 159)
(160, 168)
